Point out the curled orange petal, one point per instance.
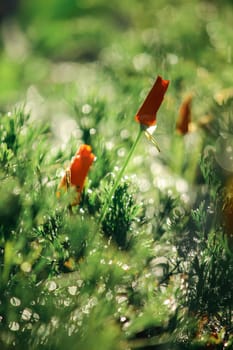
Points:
(77, 171)
(146, 114)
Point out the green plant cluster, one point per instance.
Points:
(156, 272)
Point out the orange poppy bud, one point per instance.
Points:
(146, 114)
(77, 171)
(184, 119)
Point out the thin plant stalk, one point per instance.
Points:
(119, 176)
(152, 139)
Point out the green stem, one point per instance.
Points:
(119, 176)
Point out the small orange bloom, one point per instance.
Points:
(184, 119)
(146, 114)
(77, 171)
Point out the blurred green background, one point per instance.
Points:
(57, 47)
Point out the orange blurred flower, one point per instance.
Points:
(184, 119)
(184, 123)
(146, 114)
(77, 171)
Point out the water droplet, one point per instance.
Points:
(86, 109)
(36, 317)
(121, 152)
(123, 319)
(141, 61)
(125, 267)
(26, 314)
(17, 191)
(14, 326)
(181, 186)
(109, 145)
(109, 295)
(124, 134)
(92, 131)
(79, 283)
(71, 330)
(26, 267)
(172, 58)
(15, 301)
(67, 302)
(51, 285)
(72, 290)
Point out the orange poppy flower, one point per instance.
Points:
(146, 114)
(184, 119)
(77, 171)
